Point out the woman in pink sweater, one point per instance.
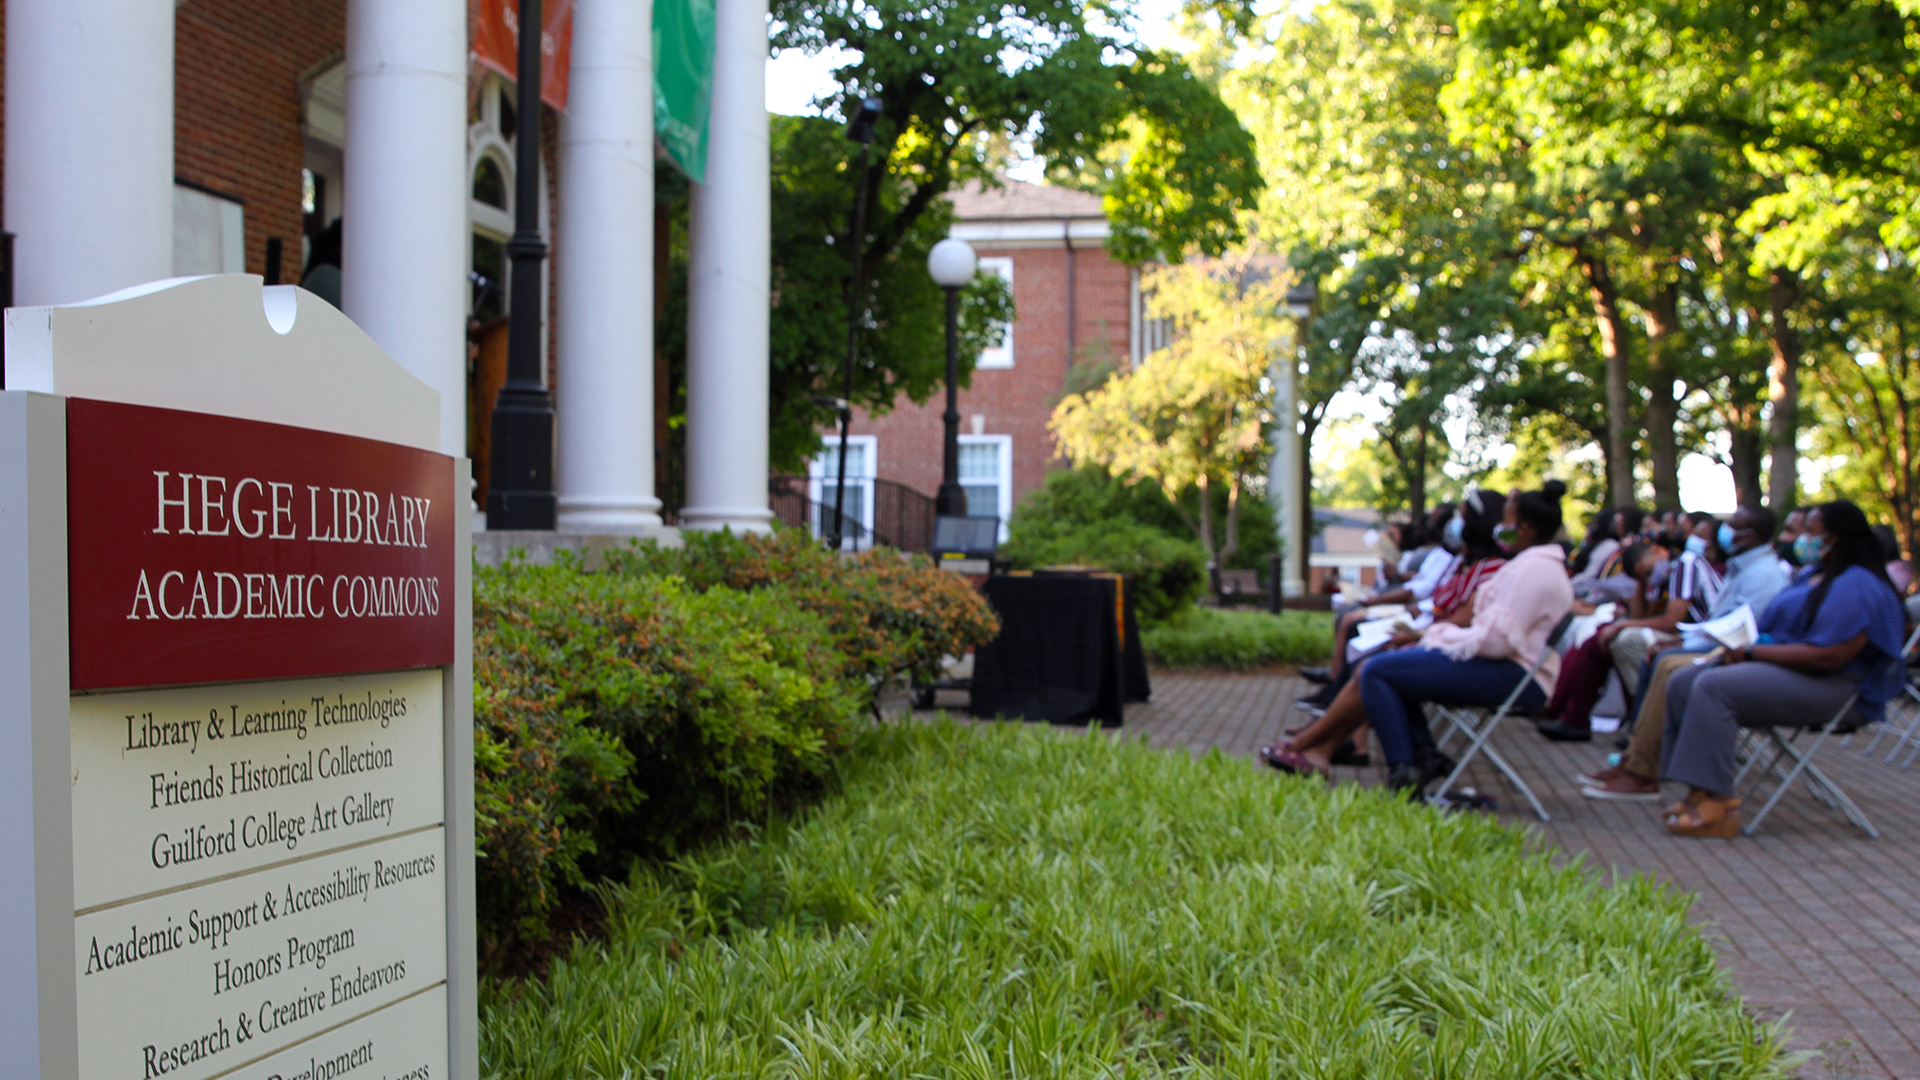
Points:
(1481, 663)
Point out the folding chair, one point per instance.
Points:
(1911, 698)
(1784, 749)
(1479, 725)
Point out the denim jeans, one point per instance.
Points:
(1396, 685)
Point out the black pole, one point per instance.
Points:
(520, 495)
(952, 500)
(856, 292)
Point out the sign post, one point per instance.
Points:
(235, 697)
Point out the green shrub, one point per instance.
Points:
(889, 614)
(1165, 574)
(1228, 638)
(1003, 901)
(1074, 500)
(617, 715)
(623, 713)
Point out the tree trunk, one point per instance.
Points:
(1206, 521)
(1417, 476)
(1783, 389)
(1231, 542)
(1663, 411)
(1613, 349)
(1744, 462)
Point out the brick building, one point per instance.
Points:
(1073, 304)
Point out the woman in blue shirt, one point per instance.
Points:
(1837, 629)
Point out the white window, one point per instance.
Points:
(209, 233)
(986, 475)
(1001, 355)
(822, 485)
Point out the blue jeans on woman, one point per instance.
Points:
(1395, 686)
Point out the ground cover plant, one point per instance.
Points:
(1238, 640)
(1008, 901)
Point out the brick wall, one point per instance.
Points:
(237, 69)
(1016, 401)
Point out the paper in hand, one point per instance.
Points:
(1734, 630)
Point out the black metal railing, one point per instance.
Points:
(902, 517)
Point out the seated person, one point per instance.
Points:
(1835, 631)
(1685, 595)
(1598, 546)
(1316, 748)
(1482, 663)
(1583, 670)
(1754, 577)
(1602, 578)
(1434, 566)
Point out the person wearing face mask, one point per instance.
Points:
(1483, 662)
(1836, 631)
(1568, 716)
(1790, 530)
(1754, 577)
(1317, 747)
(1435, 564)
(1684, 593)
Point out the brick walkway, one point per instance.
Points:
(1810, 915)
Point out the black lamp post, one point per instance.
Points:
(860, 130)
(520, 489)
(952, 264)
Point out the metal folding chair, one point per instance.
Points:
(1784, 748)
(1911, 699)
(1479, 725)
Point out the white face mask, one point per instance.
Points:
(1697, 545)
(1453, 537)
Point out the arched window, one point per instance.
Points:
(490, 182)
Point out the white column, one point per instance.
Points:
(604, 271)
(404, 258)
(89, 174)
(728, 282)
(1283, 472)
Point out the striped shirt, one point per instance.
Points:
(1460, 585)
(1691, 578)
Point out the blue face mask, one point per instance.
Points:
(1808, 548)
(1697, 545)
(1454, 536)
(1726, 538)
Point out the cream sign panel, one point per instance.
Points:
(194, 983)
(172, 787)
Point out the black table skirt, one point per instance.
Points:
(1060, 655)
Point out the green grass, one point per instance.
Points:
(1230, 638)
(1018, 902)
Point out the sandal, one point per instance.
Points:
(1291, 763)
(1707, 817)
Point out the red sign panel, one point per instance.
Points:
(208, 549)
(496, 44)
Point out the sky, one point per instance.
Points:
(795, 80)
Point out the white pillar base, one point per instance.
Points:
(584, 514)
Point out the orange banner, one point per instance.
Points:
(496, 44)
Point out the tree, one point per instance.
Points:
(958, 80)
(1383, 212)
(1192, 416)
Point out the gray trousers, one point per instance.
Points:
(1707, 706)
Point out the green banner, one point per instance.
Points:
(683, 81)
